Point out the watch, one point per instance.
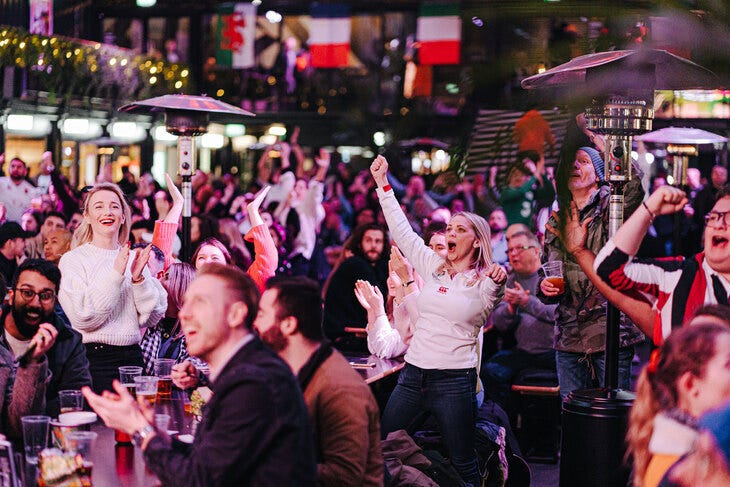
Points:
(141, 434)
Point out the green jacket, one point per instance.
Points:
(580, 323)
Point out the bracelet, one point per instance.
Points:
(406, 284)
(652, 215)
(387, 188)
(138, 281)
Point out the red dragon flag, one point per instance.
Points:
(235, 35)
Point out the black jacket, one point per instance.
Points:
(66, 360)
(255, 430)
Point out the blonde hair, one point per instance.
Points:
(178, 277)
(687, 350)
(482, 256)
(84, 233)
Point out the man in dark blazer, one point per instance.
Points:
(255, 430)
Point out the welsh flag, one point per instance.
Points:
(235, 35)
(329, 35)
(439, 34)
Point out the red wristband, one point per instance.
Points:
(387, 187)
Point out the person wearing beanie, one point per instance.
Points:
(576, 233)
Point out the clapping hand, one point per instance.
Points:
(119, 410)
(370, 298)
(139, 262)
(184, 375)
(575, 235)
(516, 296)
(120, 262)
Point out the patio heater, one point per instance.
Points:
(187, 116)
(681, 142)
(621, 85)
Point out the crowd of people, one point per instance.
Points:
(283, 270)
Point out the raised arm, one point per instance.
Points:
(664, 201)
(164, 234)
(267, 258)
(423, 259)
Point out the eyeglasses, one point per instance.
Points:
(717, 219)
(519, 249)
(45, 296)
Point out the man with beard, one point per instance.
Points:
(343, 411)
(497, 225)
(31, 303)
(370, 263)
(15, 191)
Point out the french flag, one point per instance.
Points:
(329, 35)
(439, 34)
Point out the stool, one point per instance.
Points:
(535, 413)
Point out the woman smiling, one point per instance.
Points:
(107, 291)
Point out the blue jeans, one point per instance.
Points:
(450, 396)
(586, 371)
(502, 368)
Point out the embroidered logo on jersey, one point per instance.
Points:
(443, 289)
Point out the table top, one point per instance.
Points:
(118, 464)
(373, 368)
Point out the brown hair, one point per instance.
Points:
(241, 287)
(686, 350)
(213, 242)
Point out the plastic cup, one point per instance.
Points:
(35, 436)
(81, 442)
(147, 387)
(70, 401)
(127, 374)
(163, 370)
(554, 274)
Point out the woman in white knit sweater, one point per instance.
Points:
(459, 293)
(107, 291)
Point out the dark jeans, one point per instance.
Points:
(449, 395)
(499, 372)
(586, 371)
(105, 360)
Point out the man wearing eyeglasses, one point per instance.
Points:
(527, 317)
(32, 307)
(675, 287)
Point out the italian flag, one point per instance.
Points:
(329, 35)
(439, 34)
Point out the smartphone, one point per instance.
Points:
(361, 362)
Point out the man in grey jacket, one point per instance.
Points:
(523, 314)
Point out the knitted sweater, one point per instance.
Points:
(103, 305)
